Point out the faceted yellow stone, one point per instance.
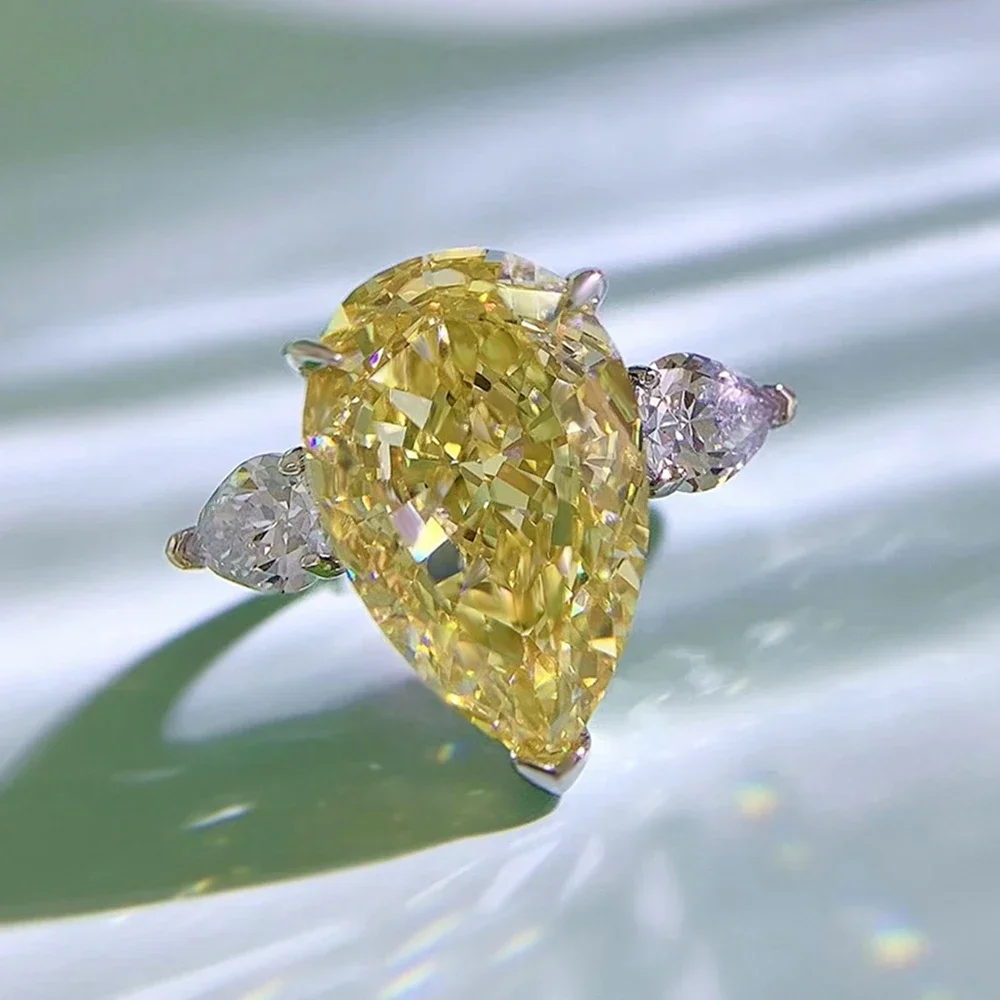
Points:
(475, 457)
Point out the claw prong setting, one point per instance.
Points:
(786, 403)
(182, 549)
(293, 462)
(586, 290)
(306, 356)
(555, 779)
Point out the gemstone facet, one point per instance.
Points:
(475, 459)
(702, 422)
(260, 528)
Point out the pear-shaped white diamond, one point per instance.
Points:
(261, 529)
(702, 422)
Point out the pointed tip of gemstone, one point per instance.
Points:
(556, 779)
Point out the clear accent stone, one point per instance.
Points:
(702, 422)
(259, 526)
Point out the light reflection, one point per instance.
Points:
(426, 938)
(266, 992)
(896, 944)
(147, 776)
(198, 888)
(223, 815)
(756, 800)
(407, 983)
(519, 943)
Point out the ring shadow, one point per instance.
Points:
(106, 813)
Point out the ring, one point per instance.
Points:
(479, 461)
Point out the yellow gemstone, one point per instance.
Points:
(475, 457)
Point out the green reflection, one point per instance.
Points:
(657, 534)
(107, 813)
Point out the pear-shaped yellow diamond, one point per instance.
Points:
(475, 457)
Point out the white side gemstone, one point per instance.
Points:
(259, 525)
(702, 422)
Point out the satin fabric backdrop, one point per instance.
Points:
(793, 789)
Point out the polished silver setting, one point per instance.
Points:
(556, 780)
(586, 289)
(642, 376)
(786, 403)
(305, 356)
(293, 462)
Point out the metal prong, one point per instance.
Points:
(293, 462)
(668, 481)
(555, 778)
(787, 403)
(305, 356)
(642, 376)
(586, 289)
(182, 549)
(324, 567)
